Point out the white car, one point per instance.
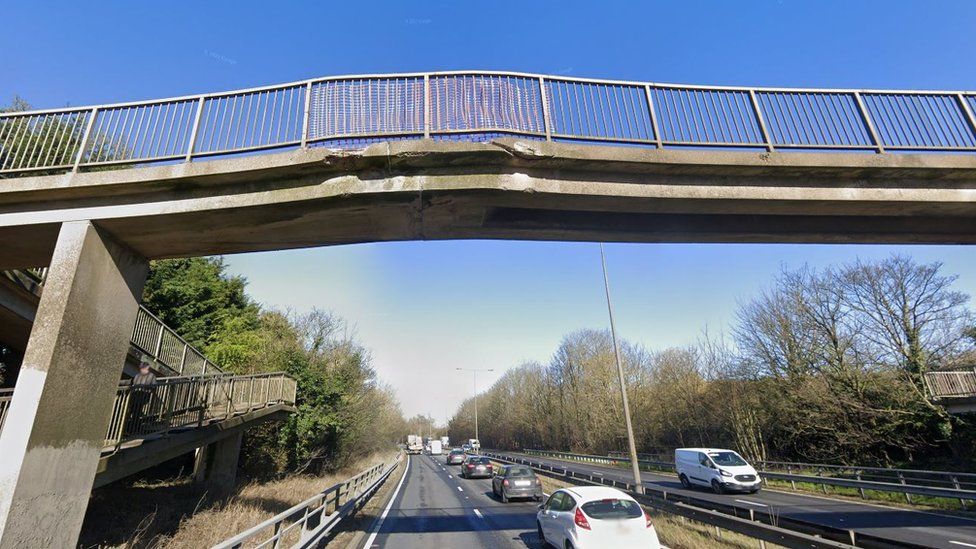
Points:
(584, 517)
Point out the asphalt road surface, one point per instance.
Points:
(436, 508)
(918, 527)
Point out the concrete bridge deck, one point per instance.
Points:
(507, 189)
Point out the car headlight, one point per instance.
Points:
(725, 473)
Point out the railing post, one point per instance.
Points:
(650, 109)
(308, 113)
(84, 139)
(762, 122)
(955, 484)
(868, 123)
(183, 358)
(426, 106)
(901, 479)
(860, 489)
(546, 117)
(968, 113)
(196, 129)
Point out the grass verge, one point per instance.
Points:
(175, 514)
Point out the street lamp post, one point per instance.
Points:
(638, 486)
(475, 371)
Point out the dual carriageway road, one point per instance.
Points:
(433, 507)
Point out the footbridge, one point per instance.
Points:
(95, 192)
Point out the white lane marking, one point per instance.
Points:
(460, 489)
(961, 543)
(596, 473)
(747, 502)
(379, 523)
(477, 512)
(449, 476)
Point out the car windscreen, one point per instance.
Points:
(609, 509)
(519, 472)
(483, 461)
(729, 459)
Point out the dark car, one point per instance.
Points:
(475, 467)
(455, 457)
(516, 481)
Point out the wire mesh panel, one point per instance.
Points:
(41, 140)
(194, 363)
(592, 111)
(696, 116)
(365, 107)
(813, 119)
(141, 132)
(252, 120)
(919, 121)
(171, 350)
(461, 103)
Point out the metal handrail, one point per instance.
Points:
(315, 517)
(151, 337)
(951, 384)
(148, 411)
(942, 484)
(475, 105)
(5, 397)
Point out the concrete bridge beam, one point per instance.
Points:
(62, 405)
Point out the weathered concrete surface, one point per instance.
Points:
(132, 459)
(216, 464)
(512, 189)
(61, 407)
(17, 309)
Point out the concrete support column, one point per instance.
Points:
(62, 404)
(216, 464)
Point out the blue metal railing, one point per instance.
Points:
(349, 111)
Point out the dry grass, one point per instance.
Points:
(177, 514)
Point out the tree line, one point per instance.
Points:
(344, 411)
(825, 365)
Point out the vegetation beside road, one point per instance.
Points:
(823, 366)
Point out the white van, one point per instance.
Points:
(721, 470)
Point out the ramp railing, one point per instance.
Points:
(956, 384)
(150, 411)
(351, 111)
(5, 396)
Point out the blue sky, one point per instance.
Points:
(426, 307)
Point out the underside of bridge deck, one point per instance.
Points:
(506, 189)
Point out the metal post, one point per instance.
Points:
(654, 124)
(546, 117)
(967, 112)
(475, 372)
(426, 106)
(196, 128)
(620, 374)
(868, 123)
(762, 122)
(84, 140)
(183, 357)
(308, 113)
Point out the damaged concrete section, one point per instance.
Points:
(506, 189)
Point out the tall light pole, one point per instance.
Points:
(475, 372)
(620, 374)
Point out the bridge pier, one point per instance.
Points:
(216, 464)
(62, 405)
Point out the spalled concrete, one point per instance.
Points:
(507, 189)
(61, 407)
